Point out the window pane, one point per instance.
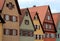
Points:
(46, 26)
(48, 17)
(7, 17)
(49, 26)
(27, 22)
(7, 32)
(14, 32)
(14, 18)
(52, 35)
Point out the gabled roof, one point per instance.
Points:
(56, 18)
(41, 12)
(40, 22)
(1, 5)
(2, 2)
(23, 14)
(1, 20)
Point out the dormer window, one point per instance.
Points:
(48, 17)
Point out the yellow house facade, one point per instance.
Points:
(38, 29)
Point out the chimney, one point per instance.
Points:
(34, 6)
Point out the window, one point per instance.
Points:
(27, 22)
(36, 37)
(39, 36)
(35, 17)
(10, 32)
(46, 35)
(36, 27)
(26, 33)
(52, 35)
(26, 13)
(47, 26)
(7, 32)
(14, 32)
(10, 5)
(58, 35)
(6, 17)
(48, 17)
(14, 19)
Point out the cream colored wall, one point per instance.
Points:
(10, 24)
(1, 31)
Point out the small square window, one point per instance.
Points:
(27, 22)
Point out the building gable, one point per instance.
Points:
(27, 22)
(37, 23)
(49, 25)
(11, 6)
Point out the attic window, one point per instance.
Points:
(35, 17)
(27, 22)
(26, 13)
(10, 5)
(48, 17)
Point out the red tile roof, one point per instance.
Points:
(56, 18)
(41, 10)
(1, 4)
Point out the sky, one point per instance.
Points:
(54, 4)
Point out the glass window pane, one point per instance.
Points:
(7, 17)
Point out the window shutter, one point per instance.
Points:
(11, 18)
(39, 36)
(4, 31)
(16, 32)
(4, 17)
(36, 37)
(11, 31)
(16, 18)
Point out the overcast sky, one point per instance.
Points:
(54, 4)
